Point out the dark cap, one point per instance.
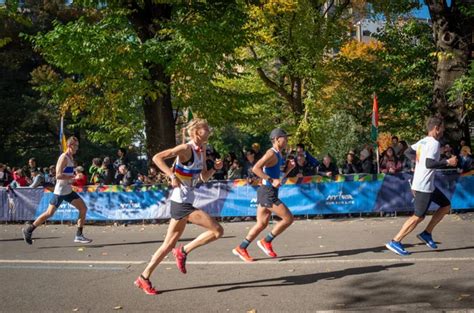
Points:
(278, 132)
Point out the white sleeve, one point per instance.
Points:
(414, 146)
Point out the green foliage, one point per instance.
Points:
(463, 88)
(102, 78)
(399, 70)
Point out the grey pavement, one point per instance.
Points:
(327, 265)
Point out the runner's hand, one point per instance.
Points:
(175, 182)
(276, 182)
(453, 161)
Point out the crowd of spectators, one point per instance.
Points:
(102, 171)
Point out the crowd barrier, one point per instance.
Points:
(304, 196)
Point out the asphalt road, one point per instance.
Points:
(323, 265)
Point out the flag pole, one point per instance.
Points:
(375, 124)
(378, 158)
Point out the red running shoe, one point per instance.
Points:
(243, 254)
(180, 259)
(145, 284)
(266, 248)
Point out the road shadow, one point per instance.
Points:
(21, 239)
(127, 243)
(295, 280)
(443, 250)
(335, 254)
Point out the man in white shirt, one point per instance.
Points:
(424, 189)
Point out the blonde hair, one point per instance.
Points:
(196, 124)
(71, 139)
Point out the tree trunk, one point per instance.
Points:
(453, 36)
(159, 121)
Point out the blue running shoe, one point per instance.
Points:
(397, 247)
(428, 239)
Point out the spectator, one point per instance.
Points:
(390, 163)
(32, 165)
(235, 170)
(107, 172)
(152, 178)
(328, 168)
(126, 178)
(219, 174)
(258, 153)
(19, 179)
(122, 159)
(351, 165)
(210, 160)
(52, 175)
(46, 174)
(5, 176)
(95, 171)
(366, 162)
(448, 151)
(229, 160)
(462, 143)
(465, 160)
(248, 165)
(302, 168)
(311, 160)
(80, 180)
(140, 181)
(37, 178)
(396, 145)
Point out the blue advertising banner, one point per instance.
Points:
(112, 206)
(308, 196)
(463, 197)
(307, 199)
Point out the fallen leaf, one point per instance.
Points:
(252, 311)
(292, 270)
(168, 268)
(464, 295)
(437, 287)
(455, 268)
(75, 310)
(80, 249)
(118, 307)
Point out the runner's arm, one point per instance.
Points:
(60, 166)
(269, 159)
(160, 157)
(433, 164)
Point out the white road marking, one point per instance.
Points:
(287, 261)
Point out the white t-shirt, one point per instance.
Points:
(426, 148)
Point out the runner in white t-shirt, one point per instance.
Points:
(423, 187)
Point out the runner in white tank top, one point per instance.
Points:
(189, 167)
(63, 192)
